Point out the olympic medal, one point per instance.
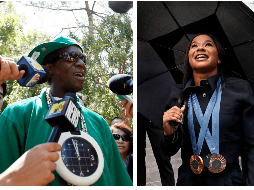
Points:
(217, 163)
(196, 164)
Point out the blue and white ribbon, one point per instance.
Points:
(213, 108)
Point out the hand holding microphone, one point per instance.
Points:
(34, 72)
(122, 84)
(127, 108)
(127, 111)
(9, 70)
(171, 119)
(27, 71)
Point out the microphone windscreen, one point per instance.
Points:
(46, 76)
(117, 84)
(34, 72)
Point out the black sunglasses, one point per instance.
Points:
(124, 137)
(73, 57)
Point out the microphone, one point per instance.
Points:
(120, 6)
(63, 116)
(181, 102)
(121, 84)
(34, 72)
(173, 124)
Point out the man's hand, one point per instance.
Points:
(9, 70)
(127, 108)
(127, 111)
(34, 167)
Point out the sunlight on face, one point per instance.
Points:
(203, 54)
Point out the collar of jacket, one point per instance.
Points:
(212, 81)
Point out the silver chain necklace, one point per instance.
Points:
(49, 98)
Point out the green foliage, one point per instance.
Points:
(109, 52)
(108, 48)
(32, 39)
(10, 29)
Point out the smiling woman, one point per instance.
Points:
(210, 47)
(203, 57)
(211, 118)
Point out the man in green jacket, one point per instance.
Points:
(23, 125)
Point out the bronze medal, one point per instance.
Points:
(217, 163)
(196, 164)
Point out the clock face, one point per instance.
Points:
(79, 156)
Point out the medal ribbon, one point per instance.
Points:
(213, 108)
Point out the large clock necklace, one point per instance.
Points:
(81, 160)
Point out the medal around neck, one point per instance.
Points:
(217, 163)
(196, 164)
(81, 160)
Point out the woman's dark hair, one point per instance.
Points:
(127, 130)
(116, 120)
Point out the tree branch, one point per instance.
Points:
(58, 9)
(93, 5)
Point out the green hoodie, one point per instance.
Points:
(22, 126)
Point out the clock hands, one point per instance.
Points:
(75, 144)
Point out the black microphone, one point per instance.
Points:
(34, 72)
(121, 84)
(173, 123)
(120, 6)
(63, 116)
(180, 102)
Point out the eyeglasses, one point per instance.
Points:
(73, 57)
(124, 137)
